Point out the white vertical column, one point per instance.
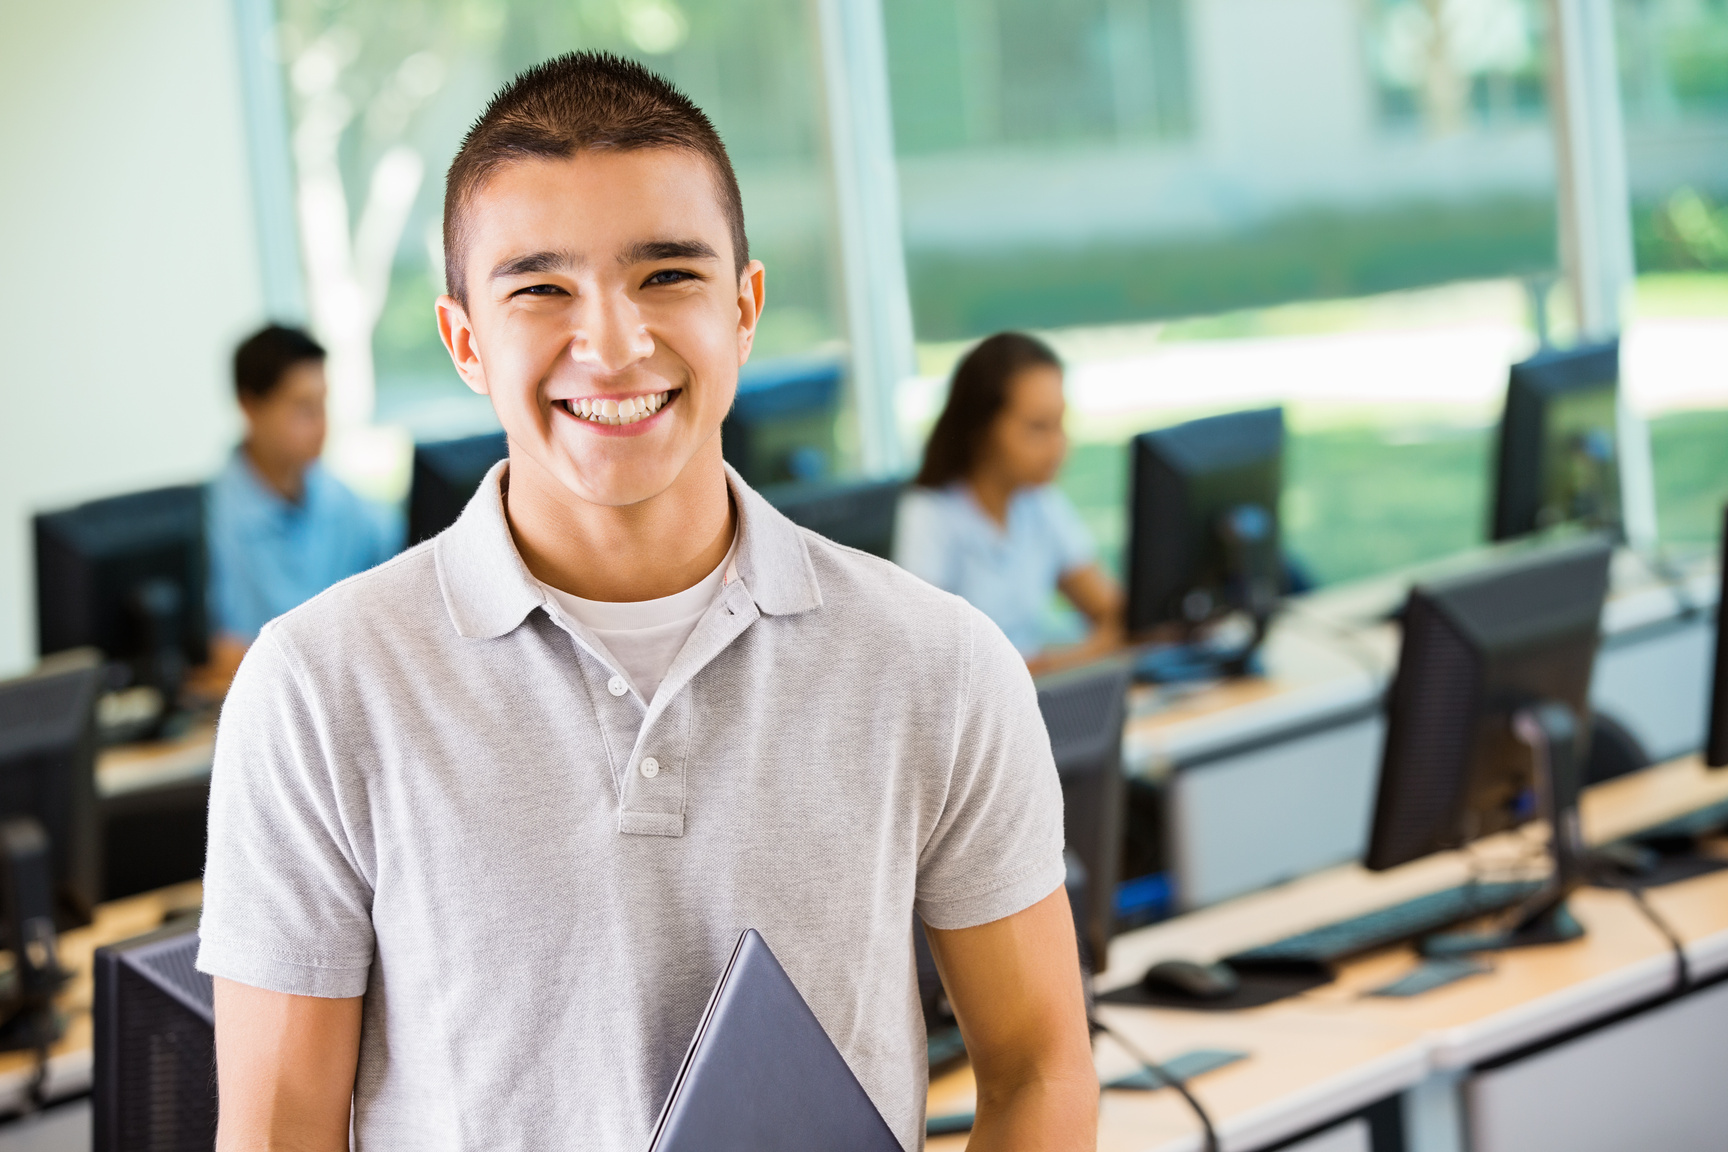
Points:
(1596, 217)
(271, 164)
(867, 201)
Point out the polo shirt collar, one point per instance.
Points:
(488, 590)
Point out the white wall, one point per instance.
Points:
(128, 264)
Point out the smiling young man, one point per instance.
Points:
(487, 820)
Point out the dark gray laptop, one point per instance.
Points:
(762, 1076)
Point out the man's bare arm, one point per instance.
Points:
(284, 1070)
(1015, 987)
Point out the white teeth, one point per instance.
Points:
(613, 412)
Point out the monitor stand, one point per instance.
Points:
(157, 612)
(1551, 732)
(27, 1015)
(1199, 660)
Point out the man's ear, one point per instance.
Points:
(751, 291)
(457, 332)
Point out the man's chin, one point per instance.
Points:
(617, 487)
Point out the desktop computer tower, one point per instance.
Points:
(155, 1060)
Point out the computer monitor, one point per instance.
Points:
(781, 427)
(446, 474)
(155, 1045)
(1084, 710)
(1558, 460)
(1490, 707)
(127, 575)
(1203, 522)
(1716, 743)
(48, 773)
(859, 515)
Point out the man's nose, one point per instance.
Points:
(610, 334)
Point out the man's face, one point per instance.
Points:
(286, 427)
(604, 317)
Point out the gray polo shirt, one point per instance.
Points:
(430, 790)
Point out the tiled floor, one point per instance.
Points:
(62, 1128)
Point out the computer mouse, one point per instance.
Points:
(1187, 978)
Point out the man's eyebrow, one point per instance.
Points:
(645, 251)
(536, 262)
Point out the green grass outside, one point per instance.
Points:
(1690, 453)
(1310, 255)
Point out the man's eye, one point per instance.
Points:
(539, 290)
(668, 276)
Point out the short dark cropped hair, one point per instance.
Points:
(575, 102)
(261, 362)
(975, 399)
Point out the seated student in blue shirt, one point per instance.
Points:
(984, 520)
(280, 529)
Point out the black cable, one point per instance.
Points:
(1682, 967)
(1159, 1072)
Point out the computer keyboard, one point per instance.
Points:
(1416, 917)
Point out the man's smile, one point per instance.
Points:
(611, 410)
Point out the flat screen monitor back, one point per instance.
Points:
(1716, 744)
(1084, 710)
(446, 475)
(48, 771)
(1477, 647)
(859, 515)
(1187, 481)
(781, 427)
(1558, 460)
(111, 573)
(155, 1046)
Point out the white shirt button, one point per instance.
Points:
(650, 767)
(617, 686)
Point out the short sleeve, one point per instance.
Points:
(997, 847)
(287, 907)
(1074, 545)
(923, 538)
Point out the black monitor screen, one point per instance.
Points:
(781, 427)
(1203, 518)
(859, 515)
(1084, 710)
(1558, 456)
(1477, 647)
(48, 772)
(125, 575)
(446, 474)
(1716, 744)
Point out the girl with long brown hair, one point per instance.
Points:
(983, 518)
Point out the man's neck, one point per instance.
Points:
(641, 551)
(286, 479)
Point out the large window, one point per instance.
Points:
(381, 92)
(1347, 207)
(1093, 161)
(1674, 91)
(1208, 204)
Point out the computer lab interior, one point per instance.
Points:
(1395, 340)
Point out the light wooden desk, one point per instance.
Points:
(1329, 1053)
(132, 768)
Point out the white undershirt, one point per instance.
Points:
(645, 636)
